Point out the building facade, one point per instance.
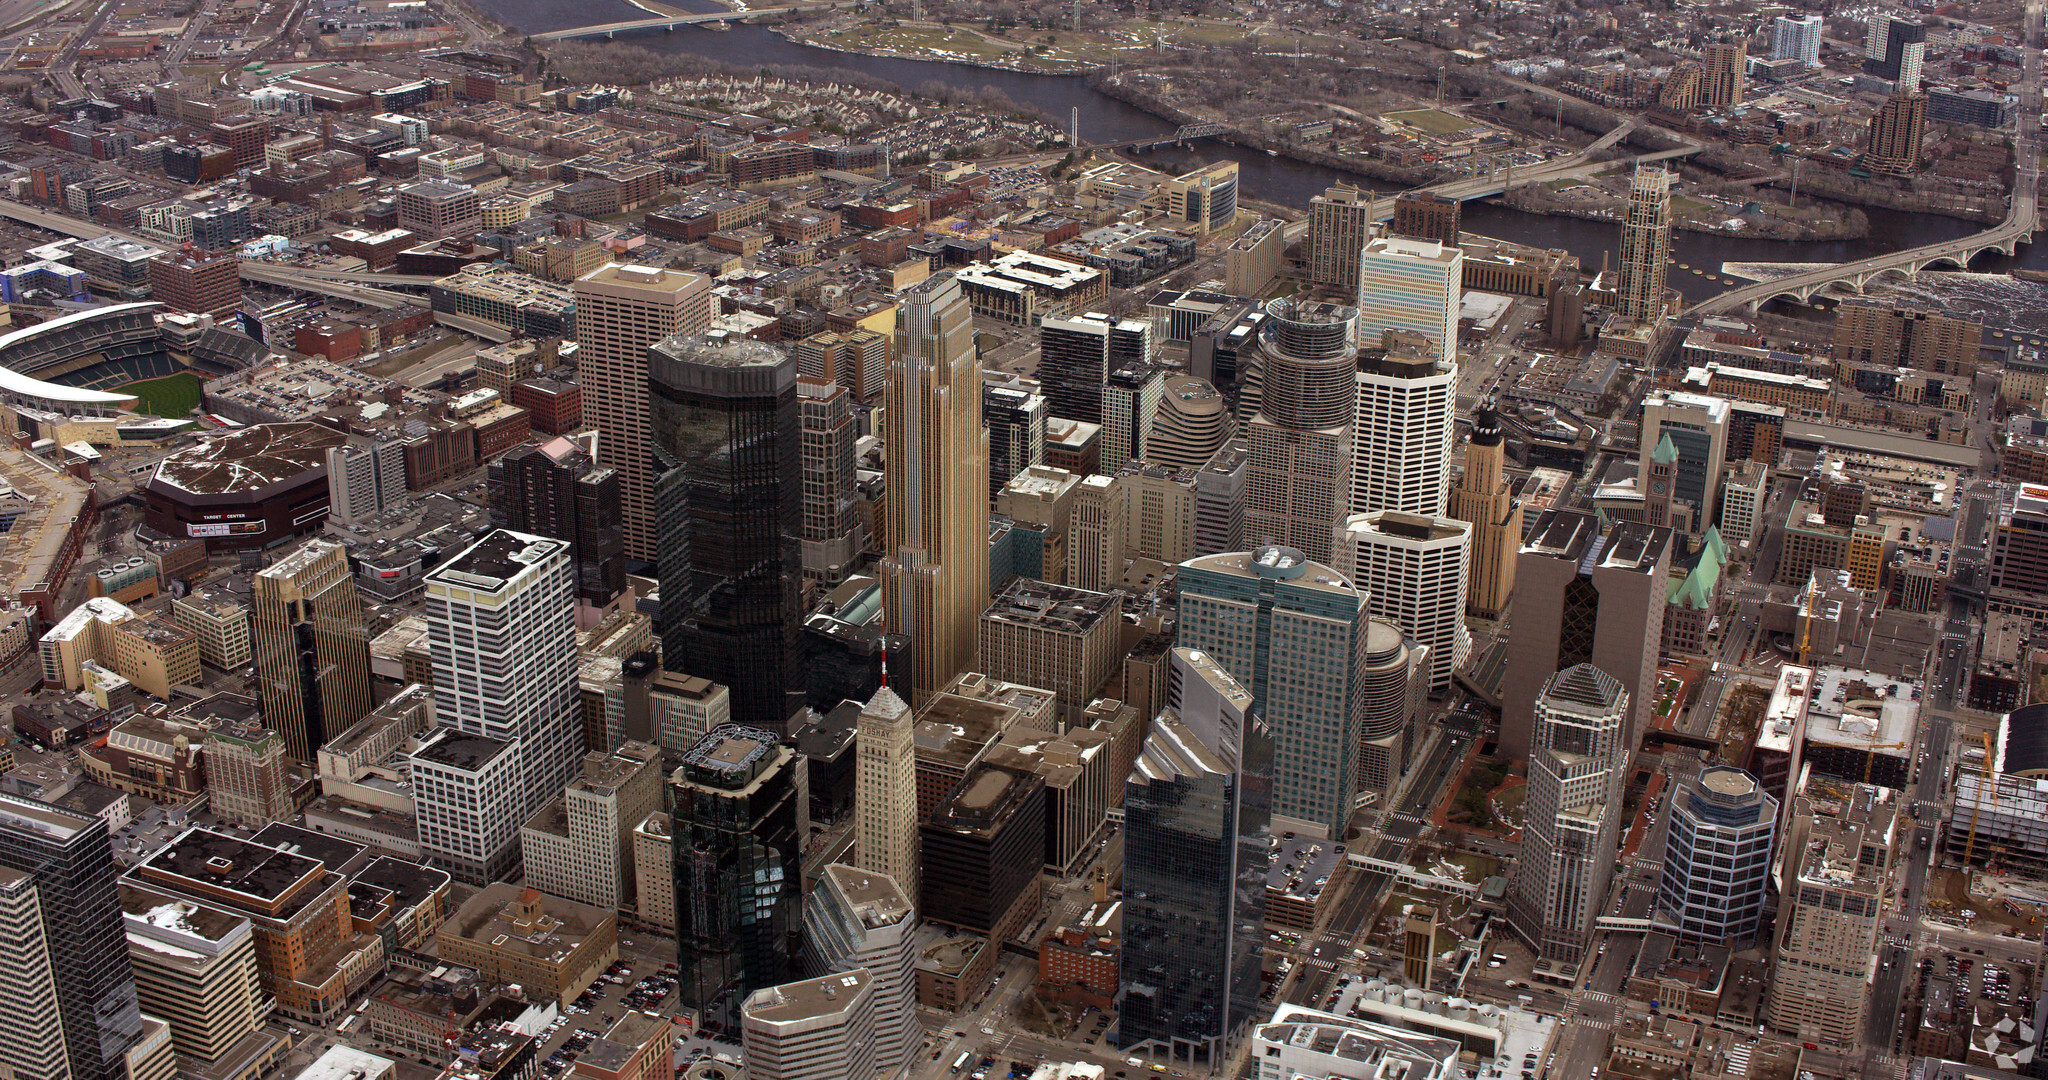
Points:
(1573, 812)
(1717, 858)
(312, 654)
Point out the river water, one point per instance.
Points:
(1274, 179)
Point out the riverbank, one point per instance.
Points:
(796, 33)
(1540, 199)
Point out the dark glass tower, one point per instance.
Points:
(72, 862)
(729, 494)
(738, 807)
(557, 489)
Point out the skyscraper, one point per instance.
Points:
(1401, 441)
(556, 488)
(861, 920)
(1724, 63)
(1572, 817)
(1485, 500)
(1095, 557)
(885, 791)
(580, 845)
(934, 567)
(1698, 427)
(1297, 483)
(1717, 858)
(738, 820)
(1077, 353)
(70, 861)
(504, 650)
(1340, 221)
(1015, 413)
(1837, 865)
(1414, 286)
(31, 1031)
(1294, 633)
(1426, 215)
(1897, 130)
(1581, 597)
(1394, 682)
(620, 311)
(1797, 38)
(1894, 48)
(196, 968)
(1130, 409)
(1411, 570)
(813, 1029)
(832, 531)
(726, 440)
(1197, 816)
(312, 652)
(1645, 246)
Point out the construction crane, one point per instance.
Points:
(1977, 806)
(1870, 756)
(1806, 634)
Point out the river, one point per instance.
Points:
(1274, 179)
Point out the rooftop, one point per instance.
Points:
(806, 999)
(987, 799)
(219, 863)
(458, 751)
(249, 459)
(1060, 608)
(497, 560)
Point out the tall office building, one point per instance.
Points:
(861, 920)
(31, 1031)
(1298, 480)
(1414, 286)
(985, 849)
(1840, 842)
(556, 488)
(1016, 431)
(1077, 354)
(834, 537)
(1095, 555)
(885, 790)
(857, 359)
(70, 861)
(468, 800)
(1897, 130)
(1194, 424)
(1294, 633)
(1581, 597)
(1717, 858)
(196, 968)
(1219, 501)
(1724, 65)
(1401, 441)
(312, 652)
(1411, 569)
(620, 312)
(727, 444)
(1572, 817)
(1485, 500)
(1340, 221)
(934, 569)
(1645, 246)
(814, 1029)
(580, 845)
(1426, 215)
(2019, 539)
(1698, 427)
(1130, 409)
(738, 820)
(1393, 684)
(1054, 637)
(504, 651)
(1197, 818)
(1797, 38)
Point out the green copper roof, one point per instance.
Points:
(1665, 453)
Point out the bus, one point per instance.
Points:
(961, 1061)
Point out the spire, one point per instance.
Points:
(1665, 453)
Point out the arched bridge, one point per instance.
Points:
(670, 22)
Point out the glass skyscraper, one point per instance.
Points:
(1196, 812)
(729, 497)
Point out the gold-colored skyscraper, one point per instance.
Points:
(312, 650)
(1645, 246)
(934, 565)
(1484, 499)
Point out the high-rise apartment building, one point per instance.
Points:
(31, 1031)
(312, 650)
(1485, 500)
(1426, 215)
(859, 920)
(739, 820)
(500, 626)
(1130, 409)
(814, 1029)
(1897, 130)
(1922, 338)
(1298, 480)
(1076, 355)
(1645, 246)
(1401, 440)
(1723, 64)
(1572, 817)
(196, 968)
(1797, 37)
(620, 312)
(1294, 633)
(365, 475)
(580, 845)
(934, 569)
(69, 860)
(1840, 842)
(556, 488)
(1340, 221)
(1413, 286)
(857, 359)
(833, 533)
(1717, 858)
(1197, 815)
(1894, 47)
(727, 440)
(1016, 431)
(1583, 597)
(1411, 570)
(885, 790)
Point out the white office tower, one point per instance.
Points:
(1298, 478)
(501, 621)
(811, 1029)
(31, 1032)
(885, 790)
(1412, 570)
(1412, 285)
(1572, 817)
(580, 845)
(1796, 38)
(857, 919)
(1401, 440)
(468, 801)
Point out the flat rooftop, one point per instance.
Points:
(806, 999)
(987, 799)
(458, 751)
(1044, 606)
(249, 459)
(495, 561)
(146, 907)
(219, 863)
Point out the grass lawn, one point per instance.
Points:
(1434, 121)
(171, 396)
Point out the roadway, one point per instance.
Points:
(670, 22)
